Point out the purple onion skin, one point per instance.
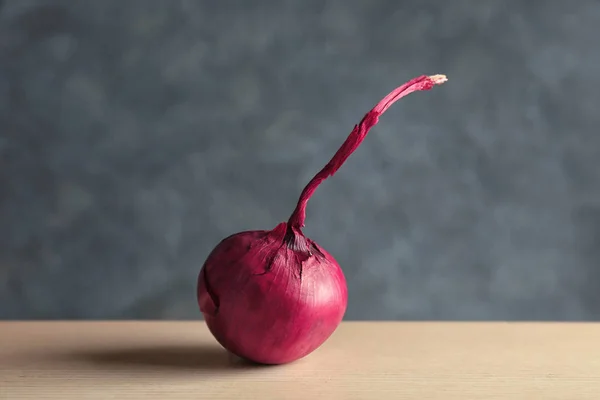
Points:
(271, 300)
(273, 297)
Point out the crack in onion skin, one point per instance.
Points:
(275, 296)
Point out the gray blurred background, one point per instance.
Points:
(136, 134)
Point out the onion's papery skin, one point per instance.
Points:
(269, 301)
(275, 296)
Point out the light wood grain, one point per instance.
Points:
(387, 360)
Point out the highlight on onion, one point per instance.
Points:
(274, 296)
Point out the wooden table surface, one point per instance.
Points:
(364, 360)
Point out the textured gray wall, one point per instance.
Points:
(135, 134)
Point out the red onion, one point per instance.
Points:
(275, 296)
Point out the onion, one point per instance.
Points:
(274, 296)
